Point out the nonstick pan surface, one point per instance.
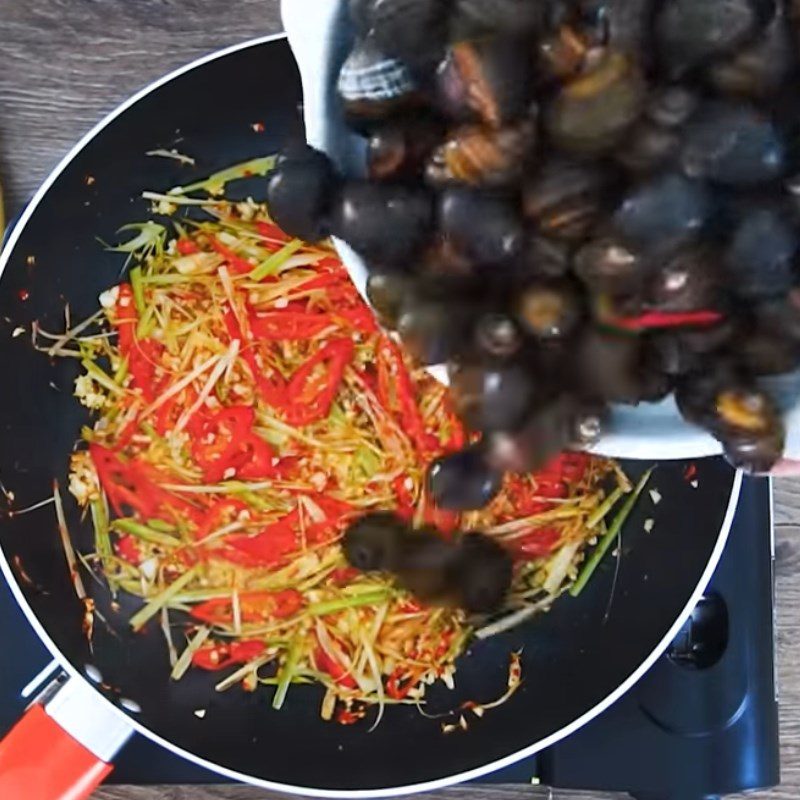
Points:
(576, 660)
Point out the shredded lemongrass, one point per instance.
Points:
(602, 510)
(185, 659)
(165, 627)
(214, 184)
(286, 673)
(613, 532)
(245, 511)
(152, 607)
(180, 201)
(172, 154)
(273, 264)
(66, 543)
(18, 512)
(177, 387)
(239, 674)
(101, 377)
(216, 373)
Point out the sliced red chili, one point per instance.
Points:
(142, 355)
(308, 401)
(276, 541)
(237, 264)
(128, 549)
(457, 439)
(219, 656)
(350, 716)
(397, 393)
(537, 544)
(258, 457)
(333, 509)
(269, 231)
(289, 325)
(126, 483)
(219, 514)
(253, 607)
(323, 281)
(404, 496)
(342, 576)
(331, 264)
(442, 519)
(667, 319)
(270, 546)
(223, 442)
(360, 318)
(168, 413)
(186, 247)
(336, 513)
(272, 387)
(327, 663)
(550, 486)
(410, 607)
(398, 685)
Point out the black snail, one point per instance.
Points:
(606, 207)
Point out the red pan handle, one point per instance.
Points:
(41, 761)
(57, 750)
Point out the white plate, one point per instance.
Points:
(321, 36)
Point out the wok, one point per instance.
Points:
(576, 660)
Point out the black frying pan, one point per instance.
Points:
(576, 659)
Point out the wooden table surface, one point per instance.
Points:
(65, 63)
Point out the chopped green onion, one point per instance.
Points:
(143, 532)
(148, 428)
(241, 673)
(167, 280)
(613, 531)
(160, 525)
(147, 323)
(286, 673)
(272, 265)
(102, 542)
(334, 606)
(121, 372)
(600, 512)
(150, 609)
(252, 499)
(201, 595)
(101, 377)
(215, 183)
(135, 276)
(185, 659)
(151, 237)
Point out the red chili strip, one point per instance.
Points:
(536, 544)
(271, 388)
(186, 247)
(667, 319)
(219, 656)
(396, 392)
(142, 354)
(239, 265)
(326, 662)
(132, 484)
(289, 325)
(253, 606)
(304, 409)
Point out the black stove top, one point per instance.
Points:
(701, 724)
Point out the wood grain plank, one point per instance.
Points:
(66, 63)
